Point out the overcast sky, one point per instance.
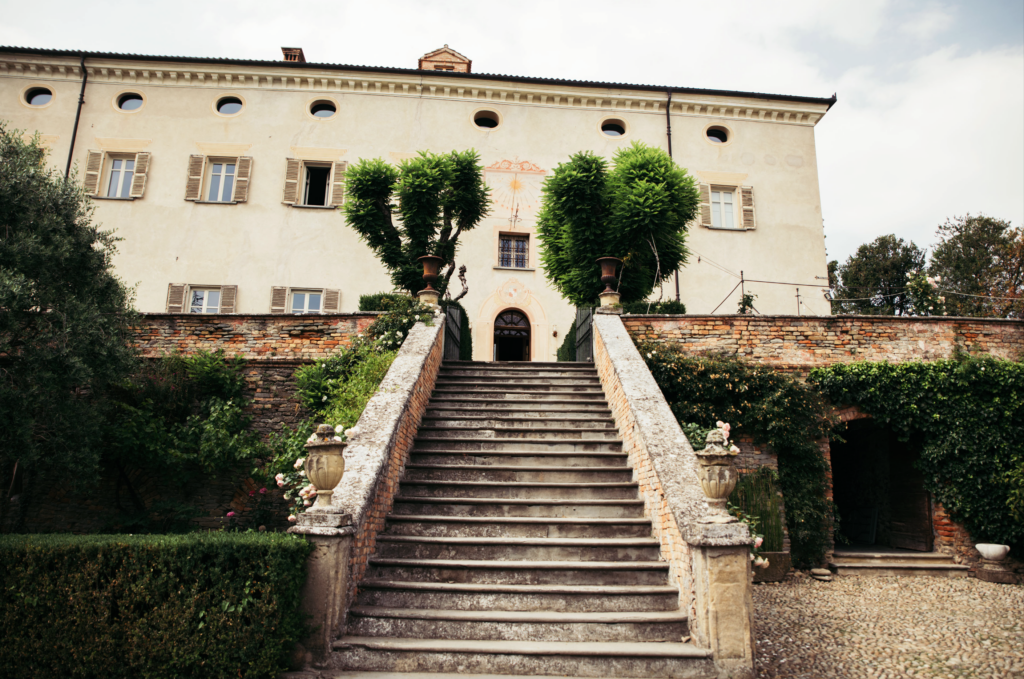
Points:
(929, 123)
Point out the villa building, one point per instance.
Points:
(223, 177)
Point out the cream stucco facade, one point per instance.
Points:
(263, 243)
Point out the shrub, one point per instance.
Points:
(348, 398)
(381, 301)
(771, 407)
(667, 307)
(567, 352)
(199, 605)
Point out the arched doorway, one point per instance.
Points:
(511, 336)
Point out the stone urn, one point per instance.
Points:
(991, 569)
(608, 296)
(431, 271)
(717, 476)
(325, 465)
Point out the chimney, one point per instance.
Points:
(294, 54)
(445, 59)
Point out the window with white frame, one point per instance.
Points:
(220, 180)
(120, 172)
(204, 300)
(306, 301)
(513, 251)
(723, 215)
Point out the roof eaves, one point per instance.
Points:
(417, 72)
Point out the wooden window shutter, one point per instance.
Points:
(228, 295)
(338, 186)
(291, 181)
(705, 205)
(194, 187)
(93, 170)
(141, 174)
(748, 207)
(242, 175)
(278, 300)
(176, 297)
(332, 301)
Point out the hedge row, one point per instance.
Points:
(195, 605)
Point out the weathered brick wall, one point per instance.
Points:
(674, 549)
(381, 450)
(251, 336)
(801, 343)
(271, 388)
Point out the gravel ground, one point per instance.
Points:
(899, 626)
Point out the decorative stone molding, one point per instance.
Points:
(339, 80)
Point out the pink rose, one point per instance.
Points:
(230, 514)
(280, 484)
(293, 518)
(757, 543)
(263, 491)
(252, 493)
(306, 503)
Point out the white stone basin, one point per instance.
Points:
(992, 552)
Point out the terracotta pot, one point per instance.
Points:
(431, 269)
(325, 465)
(608, 265)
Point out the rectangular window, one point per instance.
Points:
(514, 251)
(306, 302)
(120, 174)
(317, 184)
(204, 301)
(221, 181)
(722, 214)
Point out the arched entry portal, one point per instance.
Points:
(511, 336)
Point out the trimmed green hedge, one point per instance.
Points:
(197, 605)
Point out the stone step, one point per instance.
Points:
(883, 568)
(536, 659)
(516, 473)
(517, 549)
(519, 446)
(476, 597)
(519, 380)
(504, 409)
(559, 433)
(506, 420)
(496, 393)
(505, 490)
(859, 557)
(467, 506)
(512, 375)
(601, 573)
(434, 525)
(359, 674)
(519, 365)
(518, 405)
(516, 458)
(647, 626)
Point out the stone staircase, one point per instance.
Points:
(888, 561)
(517, 544)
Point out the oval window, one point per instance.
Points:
(323, 109)
(38, 96)
(129, 101)
(717, 135)
(613, 128)
(229, 106)
(486, 119)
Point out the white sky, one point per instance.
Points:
(929, 123)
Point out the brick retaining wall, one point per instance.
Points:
(804, 342)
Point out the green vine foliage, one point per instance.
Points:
(771, 407)
(967, 416)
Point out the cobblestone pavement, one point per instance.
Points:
(887, 627)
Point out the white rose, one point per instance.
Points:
(299, 462)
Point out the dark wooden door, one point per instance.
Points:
(911, 524)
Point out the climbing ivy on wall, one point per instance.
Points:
(967, 416)
(774, 409)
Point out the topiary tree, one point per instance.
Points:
(638, 211)
(437, 197)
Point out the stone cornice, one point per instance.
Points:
(241, 77)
